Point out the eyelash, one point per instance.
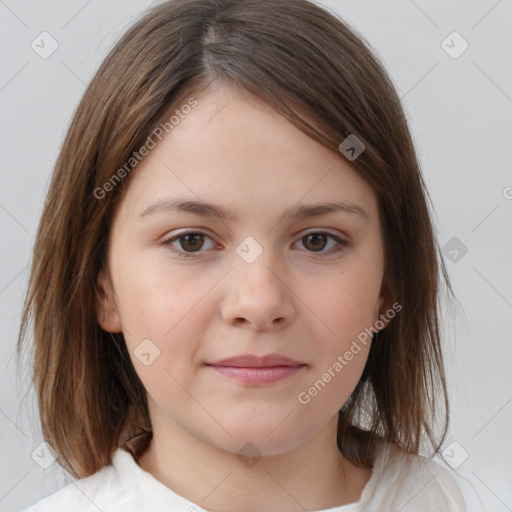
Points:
(342, 244)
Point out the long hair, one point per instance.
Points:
(319, 73)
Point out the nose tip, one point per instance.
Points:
(260, 298)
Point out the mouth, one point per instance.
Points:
(257, 371)
(253, 361)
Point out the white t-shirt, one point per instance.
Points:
(399, 482)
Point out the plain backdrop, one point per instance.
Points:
(459, 105)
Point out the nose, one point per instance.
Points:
(258, 295)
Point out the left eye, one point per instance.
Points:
(192, 241)
(317, 241)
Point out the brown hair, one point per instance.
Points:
(324, 78)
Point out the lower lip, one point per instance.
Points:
(258, 376)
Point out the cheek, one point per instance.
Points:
(154, 293)
(158, 302)
(347, 303)
(163, 331)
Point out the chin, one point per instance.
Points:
(262, 438)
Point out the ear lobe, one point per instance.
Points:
(106, 309)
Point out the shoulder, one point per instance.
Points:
(104, 490)
(409, 482)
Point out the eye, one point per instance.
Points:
(316, 241)
(189, 241)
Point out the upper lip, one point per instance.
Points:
(252, 361)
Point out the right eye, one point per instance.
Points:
(189, 241)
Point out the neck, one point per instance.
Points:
(313, 476)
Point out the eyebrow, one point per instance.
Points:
(206, 209)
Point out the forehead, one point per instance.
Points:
(233, 149)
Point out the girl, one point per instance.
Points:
(234, 292)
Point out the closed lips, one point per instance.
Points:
(250, 361)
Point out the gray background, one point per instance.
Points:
(460, 112)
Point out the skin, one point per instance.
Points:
(298, 298)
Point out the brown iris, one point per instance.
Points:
(319, 241)
(193, 241)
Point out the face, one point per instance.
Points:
(189, 287)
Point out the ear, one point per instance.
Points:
(106, 308)
(383, 318)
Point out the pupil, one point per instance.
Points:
(314, 236)
(194, 237)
